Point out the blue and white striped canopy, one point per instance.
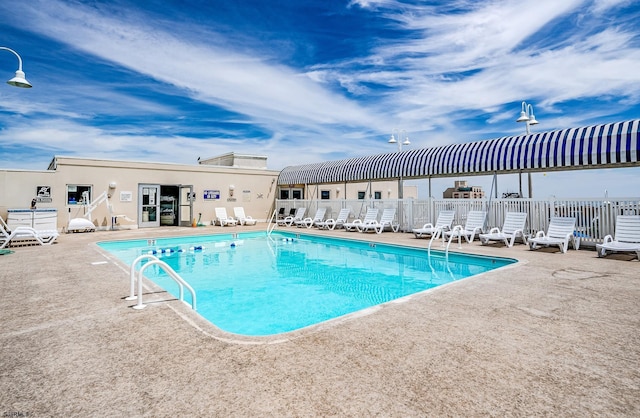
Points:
(599, 146)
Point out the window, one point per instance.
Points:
(361, 195)
(377, 195)
(290, 193)
(76, 194)
(325, 194)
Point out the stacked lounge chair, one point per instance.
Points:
(386, 221)
(370, 216)
(339, 222)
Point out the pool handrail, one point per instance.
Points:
(132, 274)
(172, 273)
(272, 224)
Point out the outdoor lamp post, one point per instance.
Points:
(400, 133)
(19, 80)
(527, 116)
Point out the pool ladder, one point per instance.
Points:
(155, 261)
(272, 224)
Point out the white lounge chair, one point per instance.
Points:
(627, 237)
(386, 221)
(473, 226)
(289, 220)
(310, 222)
(560, 233)
(370, 216)
(443, 223)
(23, 235)
(242, 218)
(512, 228)
(335, 223)
(223, 219)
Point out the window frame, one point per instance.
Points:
(77, 194)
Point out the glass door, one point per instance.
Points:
(149, 205)
(187, 196)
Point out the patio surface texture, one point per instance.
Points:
(554, 335)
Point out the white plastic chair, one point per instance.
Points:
(474, 225)
(223, 219)
(443, 223)
(242, 218)
(289, 220)
(310, 222)
(627, 237)
(560, 233)
(513, 228)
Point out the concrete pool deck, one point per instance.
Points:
(554, 335)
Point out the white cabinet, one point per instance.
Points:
(38, 219)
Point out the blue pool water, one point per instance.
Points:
(255, 285)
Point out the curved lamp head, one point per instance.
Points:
(19, 80)
(392, 140)
(532, 118)
(523, 117)
(406, 141)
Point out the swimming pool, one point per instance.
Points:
(255, 285)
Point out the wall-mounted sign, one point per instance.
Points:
(126, 196)
(43, 194)
(246, 195)
(212, 195)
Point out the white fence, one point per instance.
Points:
(595, 218)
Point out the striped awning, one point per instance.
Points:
(598, 146)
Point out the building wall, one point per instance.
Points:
(18, 187)
(254, 189)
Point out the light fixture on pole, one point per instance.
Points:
(401, 134)
(403, 139)
(527, 116)
(19, 80)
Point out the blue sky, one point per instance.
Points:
(314, 80)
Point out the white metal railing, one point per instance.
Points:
(595, 217)
(273, 222)
(171, 272)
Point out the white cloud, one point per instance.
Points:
(508, 50)
(601, 6)
(242, 83)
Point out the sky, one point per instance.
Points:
(314, 80)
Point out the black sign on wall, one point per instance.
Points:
(43, 194)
